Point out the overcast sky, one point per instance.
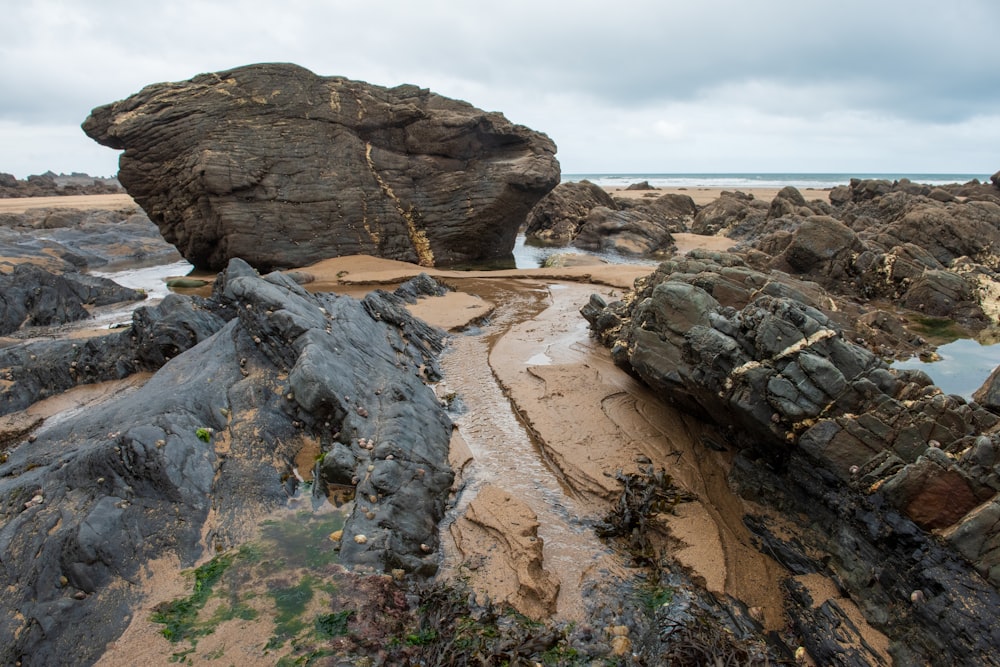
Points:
(853, 86)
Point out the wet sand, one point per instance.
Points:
(584, 419)
(83, 202)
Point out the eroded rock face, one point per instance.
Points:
(764, 360)
(281, 167)
(176, 467)
(584, 215)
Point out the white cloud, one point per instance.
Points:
(715, 85)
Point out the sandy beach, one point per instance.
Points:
(82, 202)
(703, 196)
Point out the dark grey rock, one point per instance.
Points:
(134, 479)
(557, 218)
(32, 296)
(630, 232)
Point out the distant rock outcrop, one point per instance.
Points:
(586, 216)
(280, 167)
(54, 185)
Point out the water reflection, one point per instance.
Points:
(963, 367)
(151, 279)
(528, 256)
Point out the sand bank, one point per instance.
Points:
(702, 196)
(83, 202)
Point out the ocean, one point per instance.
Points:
(762, 180)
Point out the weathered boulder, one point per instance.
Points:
(822, 248)
(281, 167)
(676, 212)
(730, 209)
(557, 218)
(177, 466)
(947, 231)
(624, 232)
(584, 215)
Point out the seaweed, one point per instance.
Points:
(644, 495)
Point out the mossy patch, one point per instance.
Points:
(937, 328)
(283, 578)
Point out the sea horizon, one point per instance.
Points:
(802, 180)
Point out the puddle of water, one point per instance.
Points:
(963, 367)
(540, 359)
(284, 584)
(151, 279)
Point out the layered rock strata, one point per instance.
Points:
(757, 354)
(281, 167)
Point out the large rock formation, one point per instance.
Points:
(885, 451)
(255, 374)
(281, 167)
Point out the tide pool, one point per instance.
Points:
(964, 366)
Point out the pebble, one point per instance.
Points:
(360, 539)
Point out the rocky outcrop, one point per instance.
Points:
(281, 167)
(629, 233)
(557, 218)
(584, 215)
(66, 239)
(31, 296)
(54, 185)
(729, 210)
(881, 240)
(177, 466)
(793, 391)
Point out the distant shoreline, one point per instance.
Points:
(751, 180)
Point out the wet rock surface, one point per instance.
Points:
(281, 167)
(32, 296)
(66, 239)
(177, 466)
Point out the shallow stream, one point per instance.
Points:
(505, 453)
